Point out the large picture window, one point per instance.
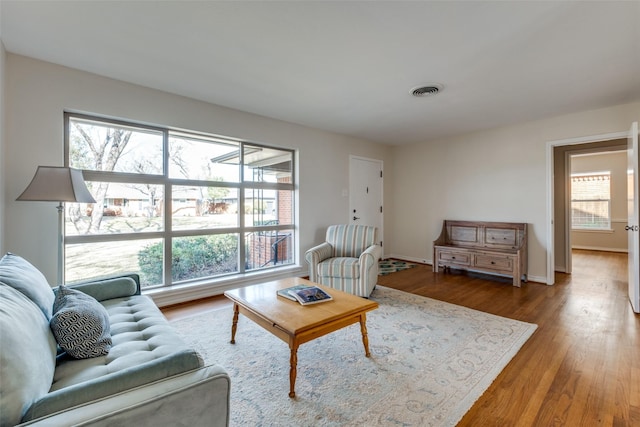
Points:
(175, 207)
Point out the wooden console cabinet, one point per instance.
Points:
(489, 247)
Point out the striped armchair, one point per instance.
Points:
(347, 260)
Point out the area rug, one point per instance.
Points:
(430, 361)
(388, 266)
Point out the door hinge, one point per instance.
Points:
(380, 174)
(380, 209)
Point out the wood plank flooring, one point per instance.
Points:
(580, 368)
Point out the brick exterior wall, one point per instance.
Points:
(260, 245)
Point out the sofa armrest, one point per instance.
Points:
(316, 255)
(195, 398)
(105, 288)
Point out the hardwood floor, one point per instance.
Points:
(580, 368)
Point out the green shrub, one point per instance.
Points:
(193, 258)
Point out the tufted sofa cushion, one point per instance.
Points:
(144, 349)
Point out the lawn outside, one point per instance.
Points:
(89, 260)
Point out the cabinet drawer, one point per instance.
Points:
(494, 262)
(460, 258)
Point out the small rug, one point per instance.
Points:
(430, 361)
(389, 266)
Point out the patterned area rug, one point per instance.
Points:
(430, 361)
(388, 266)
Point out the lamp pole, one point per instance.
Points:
(60, 277)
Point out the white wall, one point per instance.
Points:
(498, 174)
(494, 175)
(37, 93)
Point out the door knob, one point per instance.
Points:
(355, 218)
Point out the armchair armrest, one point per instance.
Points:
(369, 269)
(371, 256)
(316, 255)
(110, 287)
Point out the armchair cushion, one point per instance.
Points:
(339, 267)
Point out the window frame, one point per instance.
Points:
(579, 227)
(168, 234)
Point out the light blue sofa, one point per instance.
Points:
(149, 377)
(347, 260)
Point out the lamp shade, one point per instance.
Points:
(57, 184)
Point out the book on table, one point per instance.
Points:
(305, 294)
(285, 292)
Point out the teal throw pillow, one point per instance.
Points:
(80, 324)
(18, 273)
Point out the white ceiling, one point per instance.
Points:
(349, 66)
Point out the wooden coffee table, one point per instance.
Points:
(294, 323)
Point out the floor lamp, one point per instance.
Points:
(58, 184)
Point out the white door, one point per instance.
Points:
(365, 193)
(633, 226)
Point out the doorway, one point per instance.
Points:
(365, 193)
(561, 153)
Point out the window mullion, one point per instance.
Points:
(168, 234)
(242, 253)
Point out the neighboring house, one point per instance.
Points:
(135, 200)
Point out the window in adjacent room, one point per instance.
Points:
(591, 201)
(176, 206)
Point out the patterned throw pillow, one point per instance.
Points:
(80, 324)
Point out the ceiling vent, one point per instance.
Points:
(428, 90)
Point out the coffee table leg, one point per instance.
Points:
(293, 370)
(365, 337)
(234, 325)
